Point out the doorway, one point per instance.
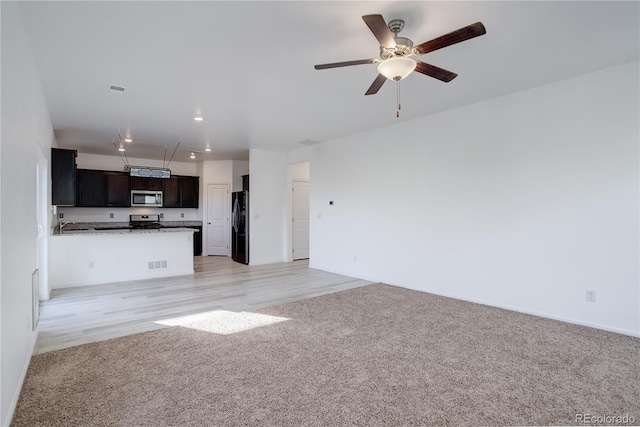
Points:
(217, 226)
(42, 224)
(300, 221)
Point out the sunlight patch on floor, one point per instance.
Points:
(222, 321)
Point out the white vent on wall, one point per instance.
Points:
(157, 265)
(308, 142)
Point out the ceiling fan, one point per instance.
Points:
(395, 52)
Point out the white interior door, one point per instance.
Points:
(217, 219)
(300, 219)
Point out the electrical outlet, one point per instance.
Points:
(590, 295)
(60, 215)
(110, 215)
(181, 215)
(161, 215)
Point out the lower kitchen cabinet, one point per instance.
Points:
(197, 241)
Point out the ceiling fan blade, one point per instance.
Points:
(380, 29)
(457, 36)
(376, 85)
(345, 64)
(435, 72)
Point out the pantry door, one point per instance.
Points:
(217, 225)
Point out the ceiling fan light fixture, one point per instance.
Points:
(397, 68)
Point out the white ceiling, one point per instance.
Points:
(247, 67)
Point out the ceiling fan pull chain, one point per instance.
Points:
(398, 99)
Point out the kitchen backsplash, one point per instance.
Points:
(72, 214)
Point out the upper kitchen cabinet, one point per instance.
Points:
(90, 188)
(140, 183)
(171, 192)
(63, 177)
(118, 191)
(96, 188)
(189, 187)
(180, 192)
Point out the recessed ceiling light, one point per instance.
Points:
(198, 118)
(192, 155)
(120, 148)
(128, 140)
(207, 149)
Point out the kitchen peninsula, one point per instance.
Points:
(90, 256)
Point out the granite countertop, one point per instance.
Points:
(75, 228)
(111, 231)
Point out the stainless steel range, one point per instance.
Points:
(151, 221)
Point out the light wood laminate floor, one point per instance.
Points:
(85, 314)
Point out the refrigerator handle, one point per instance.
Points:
(234, 216)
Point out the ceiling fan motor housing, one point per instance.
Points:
(404, 47)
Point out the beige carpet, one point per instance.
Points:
(376, 355)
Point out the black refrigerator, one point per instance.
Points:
(240, 226)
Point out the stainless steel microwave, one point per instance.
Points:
(146, 198)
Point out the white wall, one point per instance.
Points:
(25, 126)
(115, 163)
(523, 202)
(267, 206)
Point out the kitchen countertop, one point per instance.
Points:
(75, 228)
(93, 231)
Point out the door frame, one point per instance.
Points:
(293, 185)
(205, 215)
(291, 177)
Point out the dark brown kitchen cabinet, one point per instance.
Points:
(180, 192)
(171, 192)
(117, 191)
(197, 241)
(140, 183)
(189, 189)
(97, 188)
(90, 188)
(63, 177)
